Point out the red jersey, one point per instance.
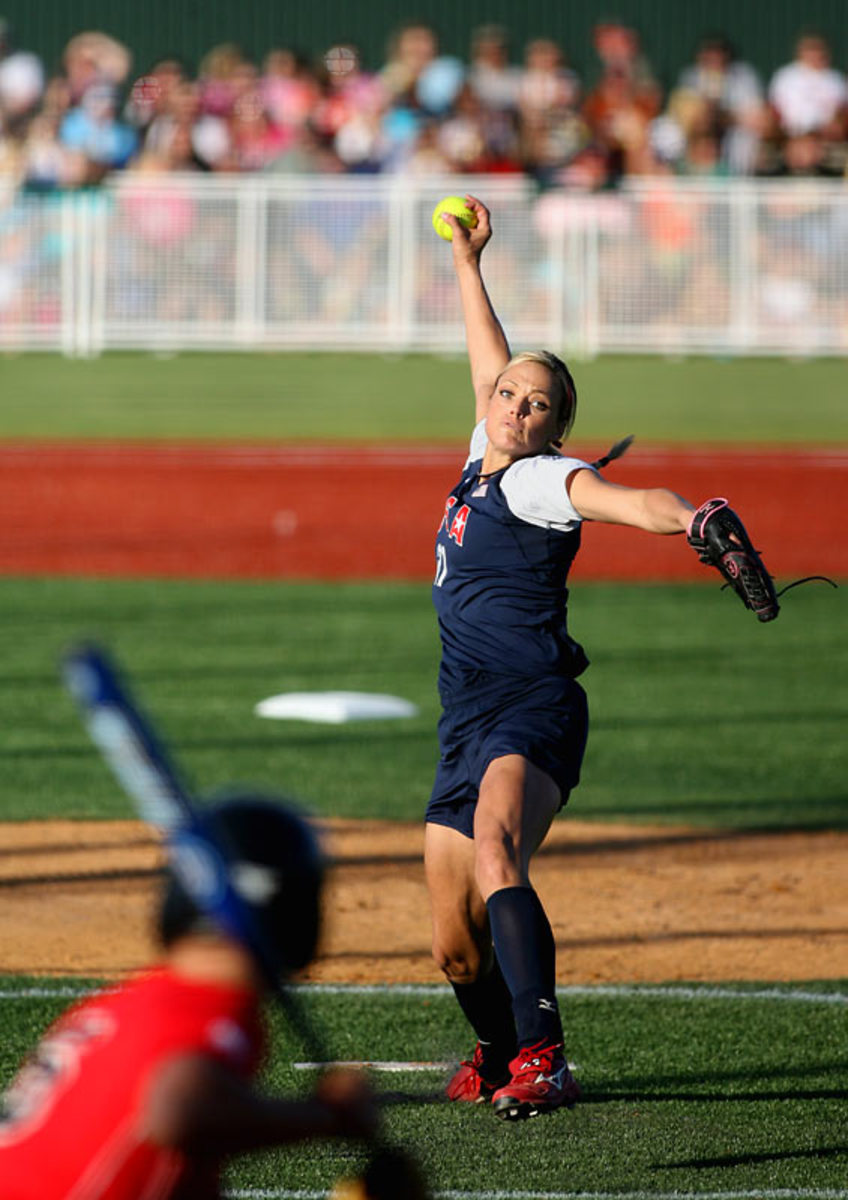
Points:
(71, 1129)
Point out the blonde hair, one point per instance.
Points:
(562, 378)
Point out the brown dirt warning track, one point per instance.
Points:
(627, 904)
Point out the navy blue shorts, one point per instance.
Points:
(545, 720)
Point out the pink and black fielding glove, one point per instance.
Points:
(720, 540)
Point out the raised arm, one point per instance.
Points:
(656, 510)
(488, 349)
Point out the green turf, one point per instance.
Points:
(367, 397)
(700, 713)
(728, 1091)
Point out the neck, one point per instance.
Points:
(496, 460)
(493, 461)
(212, 959)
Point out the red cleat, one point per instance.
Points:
(541, 1082)
(469, 1084)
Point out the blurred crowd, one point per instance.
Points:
(504, 109)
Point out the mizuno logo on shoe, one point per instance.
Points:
(548, 1005)
(555, 1080)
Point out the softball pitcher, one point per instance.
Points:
(514, 718)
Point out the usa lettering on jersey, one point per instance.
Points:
(455, 522)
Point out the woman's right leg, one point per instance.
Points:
(462, 948)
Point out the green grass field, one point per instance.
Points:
(700, 715)
(364, 397)
(688, 1092)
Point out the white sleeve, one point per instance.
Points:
(535, 490)
(478, 444)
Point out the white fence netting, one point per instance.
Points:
(180, 262)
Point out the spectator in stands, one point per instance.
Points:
(21, 90)
(150, 95)
(256, 139)
(224, 72)
(163, 107)
(21, 85)
(546, 84)
(807, 155)
(46, 164)
(492, 78)
(461, 135)
(93, 129)
(494, 83)
(348, 89)
(224, 75)
(411, 49)
(169, 138)
(551, 131)
(95, 57)
(808, 94)
(619, 51)
(290, 88)
(41, 163)
(616, 121)
(426, 156)
(702, 156)
(350, 111)
(625, 100)
(726, 103)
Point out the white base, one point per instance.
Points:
(334, 708)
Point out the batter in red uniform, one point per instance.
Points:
(141, 1093)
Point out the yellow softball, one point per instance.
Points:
(457, 206)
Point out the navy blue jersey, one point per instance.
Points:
(503, 552)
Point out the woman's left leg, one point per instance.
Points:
(462, 948)
(516, 806)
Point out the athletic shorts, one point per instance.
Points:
(545, 720)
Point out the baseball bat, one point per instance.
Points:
(137, 755)
(127, 740)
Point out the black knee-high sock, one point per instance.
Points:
(525, 948)
(487, 1005)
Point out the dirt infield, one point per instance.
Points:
(627, 904)
(362, 513)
